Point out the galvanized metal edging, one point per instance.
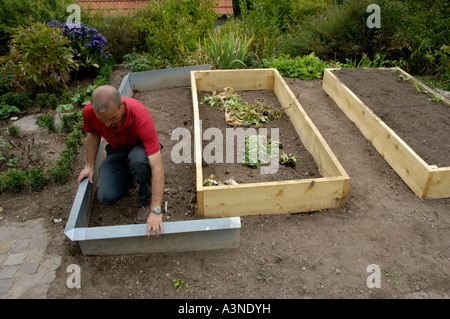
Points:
(189, 235)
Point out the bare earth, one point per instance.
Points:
(320, 255)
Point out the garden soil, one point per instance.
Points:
(322, 254)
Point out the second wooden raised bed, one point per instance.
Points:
(328, 191)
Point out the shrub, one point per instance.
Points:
(21, 100)
(87, 42)
(37, 178)
(40, 58)
(118, 29)
(46, 100)
(14, 13)
(171, 28)
(14, 180)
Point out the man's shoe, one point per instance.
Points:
(132, 190)
(142, 214)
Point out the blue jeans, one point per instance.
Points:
(118, 171)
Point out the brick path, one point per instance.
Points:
(26, 269)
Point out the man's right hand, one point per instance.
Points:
(86, 172)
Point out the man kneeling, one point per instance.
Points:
(133, 153)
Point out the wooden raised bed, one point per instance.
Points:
(328, 191)
(425, 180)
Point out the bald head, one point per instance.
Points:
(104, 97)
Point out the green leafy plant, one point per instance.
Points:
(179, 283)
(403, 78)
(238, 112)
(46, 120)
(288, 160)
(261, 277)
(7, 110)
(14, 180)
(306, 67)
(418, 89)
(21, 100)
(64, 107)
(394, 275)
(258, 151)
(436, 97)
(13, 130)
(46, 100)
(37, 178)
(41, 58)
(138, 62)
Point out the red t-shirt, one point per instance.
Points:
(138, 127)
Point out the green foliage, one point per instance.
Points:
(118, 29)
(171, 28)
(258, 151)
(13, 130)
(44, 100)
(21, 100)
(285, 159)
(365, 62)
(308, 67)
(238, 112)
(14, 180)
(46, 120)
(139, 62)
(37, 178)
(14, 13)
(40, 58)
(225, 50)
(7, 110)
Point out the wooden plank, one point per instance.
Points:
(273, 197)
(197, 144)
(307, 131)
(440, 183)
(257, 79)
(406, 163)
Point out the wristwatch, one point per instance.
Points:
(156, 210)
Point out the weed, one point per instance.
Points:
(178, 283)
(262, 277)
(403, 78)
(394, 275)
(418, 89)
(436, 98)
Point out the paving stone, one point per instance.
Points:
(30, 268)
(8, 272)
(5, 284)
(15, 259)
(39, 242)
(20, 245)
(4, 247)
